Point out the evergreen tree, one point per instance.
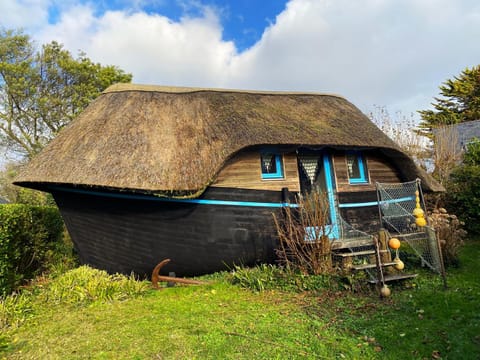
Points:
(460, 102)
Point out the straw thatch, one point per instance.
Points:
(162, 139)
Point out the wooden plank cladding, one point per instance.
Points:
(244, 171)
(379, 169)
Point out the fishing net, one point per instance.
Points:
(396, 203)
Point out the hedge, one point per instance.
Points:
(27, 234)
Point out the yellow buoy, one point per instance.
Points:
(385, 291)
(420, 221)
(418, 212)
(399, 265)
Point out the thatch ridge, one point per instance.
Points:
(176, 142)
(121, 87)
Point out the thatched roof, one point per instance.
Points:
(158, 139)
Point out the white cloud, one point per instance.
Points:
(152, 47)
(373, 52)
(23, 13)
(385, 52)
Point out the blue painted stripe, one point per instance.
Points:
(185, 201)
(375, 203)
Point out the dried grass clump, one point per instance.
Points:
(303, 234)
(450, 232)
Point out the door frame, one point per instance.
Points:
(330, 182)
(324, 159)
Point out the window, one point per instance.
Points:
(357, 168)
(272, 167)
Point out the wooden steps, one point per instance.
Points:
(373, 255)
(388, 278)
(370, 266)
(352, 243)
(357, 253)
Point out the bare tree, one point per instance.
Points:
(303, 235)
(447, 152)
(403, 130)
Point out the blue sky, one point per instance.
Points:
(389, 53)
(243, 21)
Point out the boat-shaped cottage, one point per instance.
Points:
(148, 172)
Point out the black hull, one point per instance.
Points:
(364, 218)
(133, 234)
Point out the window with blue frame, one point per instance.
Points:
(357, 168)
(272, 166)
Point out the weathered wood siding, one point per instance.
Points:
(378, 166)
(244, 171)
(379, 169)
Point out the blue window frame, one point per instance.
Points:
(272, 166)
(357, 168)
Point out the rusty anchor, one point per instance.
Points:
(156, 277)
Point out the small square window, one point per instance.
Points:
(357, 169)
(272, 167)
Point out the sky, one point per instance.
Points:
(376, 53)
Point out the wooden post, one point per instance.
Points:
(380, 277)
(385, 255)
(383, 245)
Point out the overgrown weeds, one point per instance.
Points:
(15, 309)
(271, 277)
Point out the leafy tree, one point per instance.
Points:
(42, 91)
(460, 102)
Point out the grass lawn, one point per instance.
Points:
(223, 321)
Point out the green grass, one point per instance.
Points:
(217, 321)
(424, 322)
(224, 321)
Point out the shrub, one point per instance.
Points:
(20, 195)
(85, 285)
(463, 195)
(472, 153)
(463, 189)
(28, 235)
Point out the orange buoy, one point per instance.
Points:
(394, 243)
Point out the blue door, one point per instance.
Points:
(316, 174)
